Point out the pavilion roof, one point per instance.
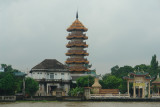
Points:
(157, 80)
(20, 74)
(77, 25)
(139, 73)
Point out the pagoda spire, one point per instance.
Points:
(77, 15)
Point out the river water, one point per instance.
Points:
(81, 104)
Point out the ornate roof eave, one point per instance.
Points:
(77, 62)
(76, 37)
(69, 54)
(77, 25)
(76, 45)
(80, 70)
(129, 78)
(140, 74)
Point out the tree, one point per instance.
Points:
(142, 67)
(7, 83)
(154, 70)
(154, 63)
(106, 76)
(111, 82)
(31, 86)
(8, 68)
(122, 71)
(85, 81)
(76, 91)
(114, 70)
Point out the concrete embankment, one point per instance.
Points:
(128, 99)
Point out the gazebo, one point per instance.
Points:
(156, 84)
(140, 80)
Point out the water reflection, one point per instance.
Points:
(81, 104)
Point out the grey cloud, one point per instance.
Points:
(121, 32)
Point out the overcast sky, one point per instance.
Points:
(121, 32)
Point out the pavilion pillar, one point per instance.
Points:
(158, 91)
(24, 86)
(134, 90)
(149, 89)
(138, 92)
(143, 92)
(128, 87)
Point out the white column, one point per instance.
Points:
(134, 90)
(128, 87)
(149, 90)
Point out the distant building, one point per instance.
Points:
(53, 77)
(1, 69)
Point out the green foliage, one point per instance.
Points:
(155, 89)
(31, 86)
(76, 91)
(154, 63)
(78, 88)
(106, 75)
(142, 67)
(122, 71)
(111, 82)
(7, 83)
(8, 68)
(85, 81)
(154, 70)
(114, 70)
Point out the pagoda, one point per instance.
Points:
(76, 61)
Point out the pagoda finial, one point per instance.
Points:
(77, 15)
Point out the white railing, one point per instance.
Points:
(156, 95)
(7, 98)
(55, 80)
(109, 96)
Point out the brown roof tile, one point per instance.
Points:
(50, 64)
(77, 25)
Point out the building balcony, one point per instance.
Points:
(76, 44)
(77, 36)
(53, 80)
(77, 61)
(77, 52)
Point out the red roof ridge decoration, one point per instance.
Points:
(77, 25)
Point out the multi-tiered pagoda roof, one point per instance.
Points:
(77, 25)
(76, 45)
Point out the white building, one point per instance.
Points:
(1, 69)
(53, 77)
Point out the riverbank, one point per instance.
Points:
(74, 99)
(79, 104)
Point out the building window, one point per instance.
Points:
(51, 75)
(62, 75)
